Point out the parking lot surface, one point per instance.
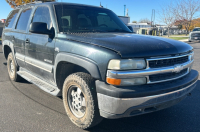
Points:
(26, 108)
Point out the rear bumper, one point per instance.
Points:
(118, 102)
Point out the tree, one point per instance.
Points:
(195, 23)
(180, 26)
(168, 15)
(187, 11)
(134, 21)
(15, 3)
(144, 20)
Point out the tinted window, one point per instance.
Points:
(42, 15)
(11, 19)
(23, 19)
(88, 19)
(196, 29)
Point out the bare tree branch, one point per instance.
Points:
(144, 20)
(168, 15)
(187, 11)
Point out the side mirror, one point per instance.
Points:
(130, 28)
(40, 28)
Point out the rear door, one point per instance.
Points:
(7, 35)
(39, 49)
(19, 35)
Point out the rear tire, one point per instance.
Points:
(12, 68)
(80, 100)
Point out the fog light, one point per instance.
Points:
(134, 81)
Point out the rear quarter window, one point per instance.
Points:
(11, 19)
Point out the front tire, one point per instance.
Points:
(80, 100)
(12, 68)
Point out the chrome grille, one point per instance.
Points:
(167, 76)
(159, 69)
(195, 35)
(167, 62)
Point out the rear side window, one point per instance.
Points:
(11, 19)
(42, 15)
(23, 19)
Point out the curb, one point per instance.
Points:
(184, 40)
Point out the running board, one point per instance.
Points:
(39, 82)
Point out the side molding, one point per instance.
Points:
(39, 64)
(89, 65)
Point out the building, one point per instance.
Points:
(174, 30)
(3, 20)
(1, 28)
(135, 26)
(125, 19)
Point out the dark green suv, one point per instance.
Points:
(88, 56)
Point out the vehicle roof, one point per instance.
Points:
(56, 3)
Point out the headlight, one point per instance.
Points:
(191, 57)
(127, 64)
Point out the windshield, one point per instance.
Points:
(88, 19)
(196, 29)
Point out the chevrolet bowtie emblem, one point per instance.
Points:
(178, 68)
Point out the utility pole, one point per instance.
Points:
(124, 10)
(153, 17)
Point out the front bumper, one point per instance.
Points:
(195, 38)
(118, 102)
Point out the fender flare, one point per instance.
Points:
(86, 63)
(11, 45)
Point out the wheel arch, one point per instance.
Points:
(7, 48)
(6, 51)
(66, 64)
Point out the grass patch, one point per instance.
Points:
(182, 35)
(178, 38)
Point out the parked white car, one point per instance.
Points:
(194, 35)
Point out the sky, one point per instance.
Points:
(138, 9)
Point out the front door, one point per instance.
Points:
(39, 48)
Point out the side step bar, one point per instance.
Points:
(39, 82)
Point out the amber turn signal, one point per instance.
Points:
(113, 81)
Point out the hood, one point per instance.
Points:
(130, 45)
(194, 32)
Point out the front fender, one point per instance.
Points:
(86, 63)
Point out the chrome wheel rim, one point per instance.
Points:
(12, 68)
(76, 101)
